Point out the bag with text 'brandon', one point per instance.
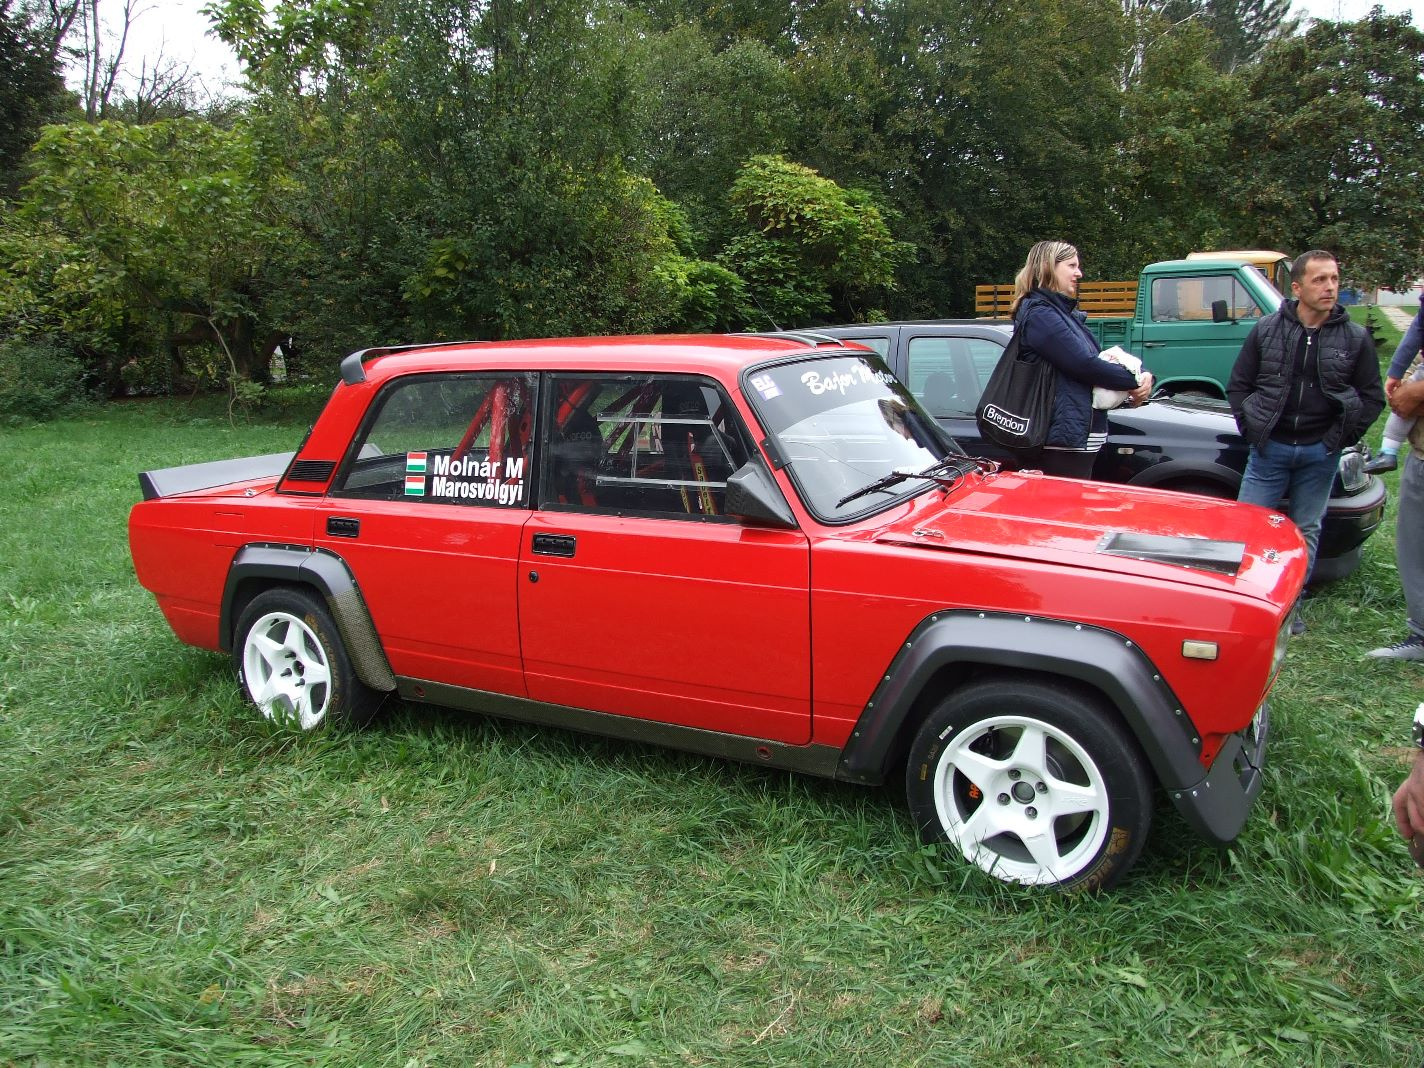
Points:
(1017, 403)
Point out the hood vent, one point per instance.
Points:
(1205, 554)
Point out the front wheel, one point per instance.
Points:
(293, 667)
(1033, 782)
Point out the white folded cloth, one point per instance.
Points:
(1104, 398)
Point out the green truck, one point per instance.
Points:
(1189, 317)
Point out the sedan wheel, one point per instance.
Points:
(293, 666)
(1033, 782)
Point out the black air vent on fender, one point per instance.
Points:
(311, 470)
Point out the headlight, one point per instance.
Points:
(1283, 637)
(1352, 477)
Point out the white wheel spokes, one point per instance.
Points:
(1022, 799)
(287, 675)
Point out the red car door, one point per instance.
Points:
(637, 597)
(428, 513)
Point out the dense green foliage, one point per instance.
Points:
(409, 171)
(181, 885)
(37, 380)
(31, 91)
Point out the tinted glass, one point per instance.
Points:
(947, 374)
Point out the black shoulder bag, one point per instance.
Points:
(1017, 402)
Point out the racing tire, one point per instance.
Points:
(1033, 781)
(292, 664)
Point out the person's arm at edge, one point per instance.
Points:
(1242, 382)
(1409, 346)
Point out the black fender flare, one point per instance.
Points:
(1099, 658)
(328, 574)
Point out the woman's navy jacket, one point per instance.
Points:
(1053, 329)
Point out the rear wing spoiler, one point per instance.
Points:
(169, 481)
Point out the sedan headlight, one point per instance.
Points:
(1351, 476)
(1283, 637)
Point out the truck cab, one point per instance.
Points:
(1191, 319)
(1276, 266)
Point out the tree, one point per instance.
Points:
(31, 93)
(173, 222)
(1329, 147)
(811, 249)
(984, 127)
(1240, 29)
(1172, 190)
(459, 170)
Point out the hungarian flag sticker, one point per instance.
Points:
(415, 485)
(415, 463)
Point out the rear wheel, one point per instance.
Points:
(293, 666)
(1032, 781)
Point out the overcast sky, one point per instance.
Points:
(177, 30)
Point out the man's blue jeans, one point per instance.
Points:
(1304, 474)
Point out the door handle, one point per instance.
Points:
(554, 544)
(1153, 344)
(338, 526)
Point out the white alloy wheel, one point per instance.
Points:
(286, 671)
(1022, 799)
(1036, 780)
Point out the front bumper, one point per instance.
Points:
(1218, 805)
(1350, 520)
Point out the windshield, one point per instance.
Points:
(1271, 296)
(841, 422)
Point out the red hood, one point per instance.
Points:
(1171, 536)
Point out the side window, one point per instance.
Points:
(648, 444)
(448, 439)
(947, 374)
(1190, 299)
(1172, 299)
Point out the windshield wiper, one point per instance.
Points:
(960, 464)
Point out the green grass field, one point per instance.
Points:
(180, 885)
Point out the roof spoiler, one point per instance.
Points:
(353, 370)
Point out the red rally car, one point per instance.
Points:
(758, 547)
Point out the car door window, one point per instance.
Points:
(658, 445)
(446, 439)
(947, 374)
(1190, 299)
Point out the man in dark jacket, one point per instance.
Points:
(1305, 386)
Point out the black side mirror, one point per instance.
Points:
(1219, 313)
(754, 497)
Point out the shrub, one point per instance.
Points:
(38, 380)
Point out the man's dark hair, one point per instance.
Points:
(1298, 264)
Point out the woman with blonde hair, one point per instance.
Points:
(1045, 311)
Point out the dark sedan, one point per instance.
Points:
(1186, 443)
